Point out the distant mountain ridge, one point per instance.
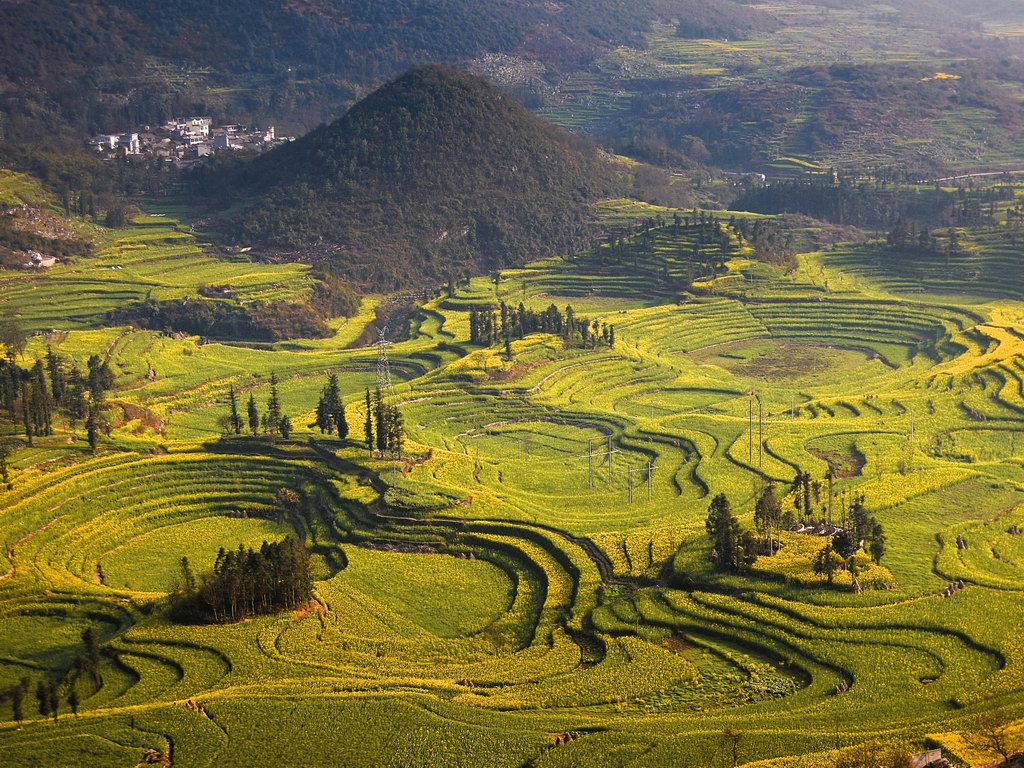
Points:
(83, 66)
(436, 175)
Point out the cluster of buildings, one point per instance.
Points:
(185, 140)
(37, 260)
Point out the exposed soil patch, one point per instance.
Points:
(146, 418)
(843, 465)
(309, 607)
(515, 371)
(676, 644)
(776, 361)
(399, 546)
(396, 317)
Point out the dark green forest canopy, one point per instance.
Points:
(436, 175)
(86, 66)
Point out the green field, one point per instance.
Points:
(484, 604)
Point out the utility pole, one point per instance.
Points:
(760, 432)
(750, 432)
(609, 454)
(650, 469)
(384, 385)
(590, 461)
(831, 478)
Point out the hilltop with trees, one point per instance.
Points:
(436, 175)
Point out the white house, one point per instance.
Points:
(36, 260)
(129, 142)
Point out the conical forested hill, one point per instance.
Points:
(436, 175)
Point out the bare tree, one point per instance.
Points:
(992, 733)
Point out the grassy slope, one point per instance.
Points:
(473, 670)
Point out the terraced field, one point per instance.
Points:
(512, 593)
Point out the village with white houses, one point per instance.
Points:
(184, 141)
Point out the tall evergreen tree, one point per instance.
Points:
(380, 419)
(91, 431)
(323, 417)
(41, 405)
(273, 406)
(234, 419)
(768, 516)
(26, 416)
(43, 698)
(100, 377)
(56, 372)
(253, 414)
(74, 401)
(368, 423)
(732, 548)
(18, 703)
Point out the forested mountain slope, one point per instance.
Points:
(86, 65)
(435, 175)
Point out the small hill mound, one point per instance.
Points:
(718, 19)
(436, 175)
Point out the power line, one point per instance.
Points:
(384, 384)
(608, 453)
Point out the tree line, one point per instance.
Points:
(31, 399)
(245, 582)
(52, 691)
(488, 328)
(271, 421)
(384, 426)
(735, 550)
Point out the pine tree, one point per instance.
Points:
(380, 418)
(235, 418)
(732, 548)
(323, 417)
(368, 424)
(56, 375)
(74, 401)
(397, 431)
(5, 472)
(18, 702)
(41, 406)
(43, 698)
(340, 420)
(73, 701)
(768, 516)
(100, 377)
(54, 697)
(330, 412)
(273, 406)
(91, 432)
(26, 418)
(827, 562)
(876, 545)
(254, 415)
(285, 426)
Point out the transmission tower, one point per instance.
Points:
(384, 385)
